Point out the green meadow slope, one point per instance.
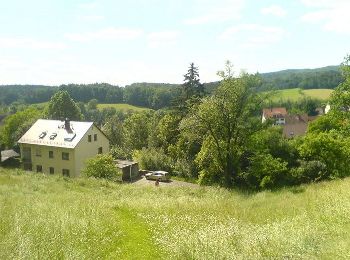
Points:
(295, 94)
(52, 217)
(123, 107)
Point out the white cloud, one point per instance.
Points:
(274, 10)
(164, 38)
(254, 35)
(29, 43)
(216, 11)
(333, 15)
(106, 34)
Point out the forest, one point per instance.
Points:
(159, 95)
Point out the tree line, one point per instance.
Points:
(158, 95)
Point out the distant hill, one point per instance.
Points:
(320, 78)
(158, 95)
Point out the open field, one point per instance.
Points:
(123, 107)
(52, 217)
(297, 93)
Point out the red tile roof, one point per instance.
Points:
(275, 112)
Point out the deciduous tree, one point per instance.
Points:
(62, 106)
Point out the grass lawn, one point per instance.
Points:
(52, 217)
(297, 93)
(123, 107)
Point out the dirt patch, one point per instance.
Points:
(172, 183)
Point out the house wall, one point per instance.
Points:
(56, 162)
(85, 149)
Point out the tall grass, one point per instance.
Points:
(51, 217)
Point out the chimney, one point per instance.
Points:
(66, 124)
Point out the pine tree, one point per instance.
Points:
(192, 86)
(190, 92)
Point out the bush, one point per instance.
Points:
(266, 172)
(309, 171)
(153, 159)
(102, 166)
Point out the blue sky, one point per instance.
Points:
(120, 42)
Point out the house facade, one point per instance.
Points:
(277, 114)
(61, 147)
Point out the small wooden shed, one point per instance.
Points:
(129, 169)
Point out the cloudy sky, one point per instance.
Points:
(120, 42)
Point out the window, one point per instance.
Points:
(42, 135)
(53, 136)
(65, 172)
(38, 152)
(95, 137)
(99, 150)
(39, 168)
(65, 156)
(50, 154)
(52, 170)
(89, 138)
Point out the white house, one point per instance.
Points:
(61, 147)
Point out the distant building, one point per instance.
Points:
(277, 114)
(61, 147)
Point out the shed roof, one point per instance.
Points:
(7, 154)
(55, 133)
(124, 163)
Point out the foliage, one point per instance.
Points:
(152, 159)
(136, 130)
(92, 104)
(330, 148)
(227, 118)
(327, 77)
(102, 166)
(309, 171)
(113, 129)
(266, 172)
(17, 124)
(62, 106)
(121, 152)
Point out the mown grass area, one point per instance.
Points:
(296, 93)
(123, 107)
(52, 217)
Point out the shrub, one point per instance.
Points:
(309, 171)
(153, 159)
(102, 166)
(266, 172)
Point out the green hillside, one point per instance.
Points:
(297, 93)
(123, 107)
(50, 217)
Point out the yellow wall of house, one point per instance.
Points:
(77, 156)
(56, 162)
(85, 149)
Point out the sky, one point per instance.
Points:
(55, 42)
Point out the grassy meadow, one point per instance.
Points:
(296, 93)
(123, 107)
(53, 217)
